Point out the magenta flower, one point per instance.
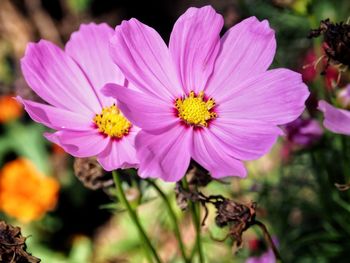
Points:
(335, 120)
(266, 257)
(303, 132)
(204, 98)
(87, 122)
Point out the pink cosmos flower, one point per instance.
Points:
(303, 132)
(335, 120)
(203, 97)
(266, 257)
(300, 133)
(87, 122)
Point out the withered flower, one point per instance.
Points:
(12, 245)
(196, 178)
(229, 211)
(91, 173)
(236, 216)
(336, 41)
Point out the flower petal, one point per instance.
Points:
(211, 153)
(119, 154)
(166, 156)
(57, 79)
(247, 49)
(56, 118)
(245, 139)
(194, 45)
(144, 59)
(335, 120)
(89, 47)
(79, 143)
(146, 112)
(277, 96)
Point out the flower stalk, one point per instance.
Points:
(195, 207)
(149, 249)
(173, 218)
(269, 240)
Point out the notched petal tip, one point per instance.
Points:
(85, 28)
(253, 24)
(126, 23)
(192, 10)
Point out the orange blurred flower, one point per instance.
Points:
(56, 149)
(10, 109)
(25, 193)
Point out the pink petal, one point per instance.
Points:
(119, 153)
(89, 47)
(144, 59)
(247, 49)
(245, 139)
(335, 120)
(146, 112)
(57, 79)
(194, 45)
(166, 156)
(277, 96)
(56, 118)
(79, 143)
(212, 154)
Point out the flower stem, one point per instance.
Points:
(173, 218)
(196, 221)
(269, 240)
(145, 240)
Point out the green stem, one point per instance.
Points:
(197, 224)
(173, 218)
(145, 240)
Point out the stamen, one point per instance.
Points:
(194, 110)
(111, 122)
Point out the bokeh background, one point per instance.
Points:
(294, 185)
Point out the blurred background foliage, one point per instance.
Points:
(294, 185)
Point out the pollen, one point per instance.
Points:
(111, 122)
(195, 110)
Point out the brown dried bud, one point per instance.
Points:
(337, 40)
(91, 173)
(229, 211)
(12, 245)
(198, 177)
(181, 197)
(238, 216)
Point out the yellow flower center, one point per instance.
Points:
(194, 110)
(112, 123)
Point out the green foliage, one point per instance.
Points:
(79, 5)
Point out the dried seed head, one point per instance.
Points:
(230, 212)
(238, 216)
(12, 245)
(91, 173)
(181, 197)
(198, 177)
(337, 40)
